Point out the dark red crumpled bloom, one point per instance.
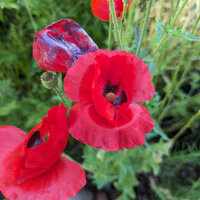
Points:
(100, 8)
(105, 83)
(59, 45)
(31, 167)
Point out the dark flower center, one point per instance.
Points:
(113, 96)
(34, 140)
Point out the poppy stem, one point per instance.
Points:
(144, 28)
(115, 22)
(186, 126)
(110, 32)
(60, 95)
(122, 20)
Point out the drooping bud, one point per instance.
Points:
(49, 80)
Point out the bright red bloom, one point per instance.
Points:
(100, 8)
(59, 45)
(32, 168)
(105, 83)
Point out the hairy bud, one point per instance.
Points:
(49, 80)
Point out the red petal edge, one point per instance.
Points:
(88, 127)
(58, 46)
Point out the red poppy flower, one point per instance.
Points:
(100, 8)
(59, 45)
(105, 83)
(31, 167)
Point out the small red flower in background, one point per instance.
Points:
(59, 45)
(32, 168)
(100, 8)
(105, 83)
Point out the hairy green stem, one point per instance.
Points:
(144, 28)
(110, 32)
(178, 13)
(58, 92)
(171, 10)
(130, 16)
(186, 126)
(160, 44)
(122, 20)
(115, 22)
(161, 10)
(177, 4)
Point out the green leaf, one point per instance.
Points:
(137, 37)
(187, 36)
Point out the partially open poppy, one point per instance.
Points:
(100, 8)
(58, 46)
(105, 83)
(31, 166)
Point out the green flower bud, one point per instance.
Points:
(49, 80)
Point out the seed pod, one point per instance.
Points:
(49, 80)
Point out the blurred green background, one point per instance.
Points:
(153, 171)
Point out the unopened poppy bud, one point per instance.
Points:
(49, 80)
(110, 97)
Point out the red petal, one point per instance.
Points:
(100, 8)
(114, 66)
(59, 45)
(38, 159)
(143, 89)
(60, 182)
(78, 80)
(127, 131)
(10, 138)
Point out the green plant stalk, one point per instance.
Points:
(110, 33)
(60, 95)
(115, 22)
(144, 27)
(161, 10)
(122, 19)
(30, 15)
(171, 26)
(186, 126)
(178, 13)
(160, 44)
(174, 78)
(130, 16)
(177, 6)
(171, 10)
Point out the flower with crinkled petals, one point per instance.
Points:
(58, 46)
(105, 84)
(31, 166)
(100, 8)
